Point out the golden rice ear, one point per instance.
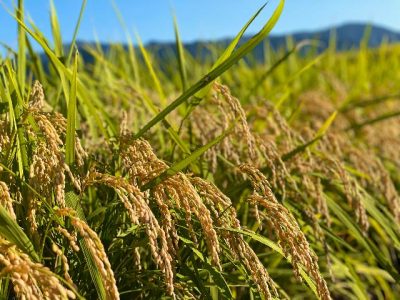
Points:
(71, 238)
(5, 199)
(286, 229)
(139, 212)
(143, 165)
(64, 263)
(352, 195)
(213, 118)
(48, 170)
(96, 248)
(30, 280)
(225, 216)
(37, 98)
(4, 137)
(239, 113)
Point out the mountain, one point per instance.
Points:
(348, 36)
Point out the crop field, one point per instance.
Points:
(136, 177)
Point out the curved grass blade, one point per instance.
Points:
(11, 231)
(81, 92)
(55, 28)
(131, 47)
(218, 279)
(365, 242)
(378, 119)
(150, 68)
(177, 167)
(225, 55)
(58, 50)
(71, 117)
(59, 47)
(228, 51)
(347, 106)
(162, 96)
(15, 113)
(21, 69)
(221, 68)
(284, 58)
(321, 132)
(74, 36)
(36, 62)
(180, 56)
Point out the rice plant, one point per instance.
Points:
(133, 177)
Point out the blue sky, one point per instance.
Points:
(206, 19)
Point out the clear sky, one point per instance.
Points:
(205, 19)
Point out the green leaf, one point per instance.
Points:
(180, 56)
(221, 68)
(320, 133)
(55, 28)
(381, 118)
(177, 167)
(228, 52)
(81, 91)
(21, 47)
(74, 36)
(358, 235)
(71, 117)
(283, 59)
(21, 153)
(150, 68)
(219, 280)
(58, 50)
(131, 47)
(11, 231)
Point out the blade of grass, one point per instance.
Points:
(180, 56)
(81, 91)
(74, 36)
(221, 68)
(37, 65)
(59, 48)
(358, 235)
(321, 132)
(71, 117)
(149, 64)
(59, 51)
(11, 231)
(369, 102)
(21, 47)
(15, 112)
(131, 47)
(178, 166)
(219, 280)
(284, 58)
(199, 95)
(228, 51)
(372, 121)
(56, 31)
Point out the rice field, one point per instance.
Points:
(132, 177)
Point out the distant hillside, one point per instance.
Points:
(348, 36)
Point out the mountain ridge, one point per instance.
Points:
(348, 36)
